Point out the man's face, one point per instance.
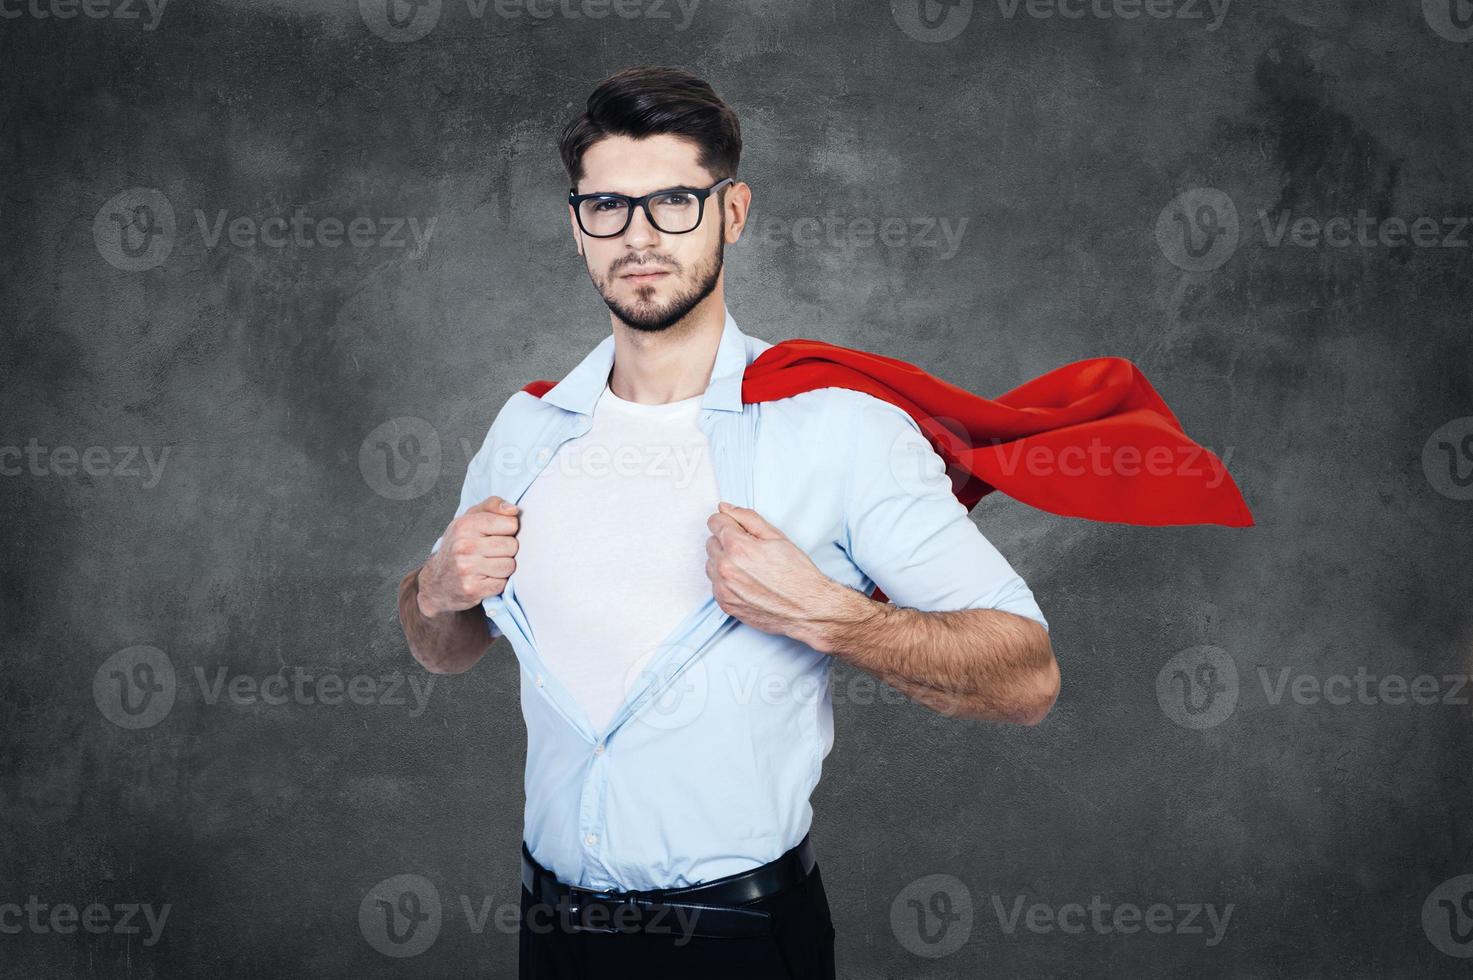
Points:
(648, 278)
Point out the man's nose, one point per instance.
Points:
(640, 232)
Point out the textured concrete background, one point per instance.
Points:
(307, 410)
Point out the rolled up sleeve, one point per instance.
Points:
(904, 527)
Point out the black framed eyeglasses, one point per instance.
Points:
(673, 210)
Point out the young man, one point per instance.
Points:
(686, 568)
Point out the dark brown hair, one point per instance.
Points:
(648, 100)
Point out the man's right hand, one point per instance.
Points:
(477, 555)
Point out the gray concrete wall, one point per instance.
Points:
(237, 520)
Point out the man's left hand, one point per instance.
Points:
(761, 577)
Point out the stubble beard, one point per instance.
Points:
(652, 319)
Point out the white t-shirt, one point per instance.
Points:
(611, 550)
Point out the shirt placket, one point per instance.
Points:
(520, 635)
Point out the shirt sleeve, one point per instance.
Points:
(905, 529)
(473, 490)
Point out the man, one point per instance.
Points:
(676, 572)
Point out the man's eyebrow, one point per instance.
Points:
(688, 186)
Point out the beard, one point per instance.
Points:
(654, 317)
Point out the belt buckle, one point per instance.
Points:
(578, 896)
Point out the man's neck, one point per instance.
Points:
(673, 364)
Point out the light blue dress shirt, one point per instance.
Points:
(707, 768)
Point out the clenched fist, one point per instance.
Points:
(477, 555)
(761, 577)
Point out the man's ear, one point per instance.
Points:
(735, 208)
(577, 232)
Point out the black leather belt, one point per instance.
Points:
(711, 908)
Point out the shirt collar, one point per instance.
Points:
(580, 388)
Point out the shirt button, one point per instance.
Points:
(539, 680)
(591, 839)
(598, 749)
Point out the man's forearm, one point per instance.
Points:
(449, 643)
(983, 664)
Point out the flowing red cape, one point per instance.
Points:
(1091, 439)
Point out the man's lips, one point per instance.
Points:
(649, 276)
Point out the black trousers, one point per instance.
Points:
(800, 947)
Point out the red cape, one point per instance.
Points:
(1090, 439)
